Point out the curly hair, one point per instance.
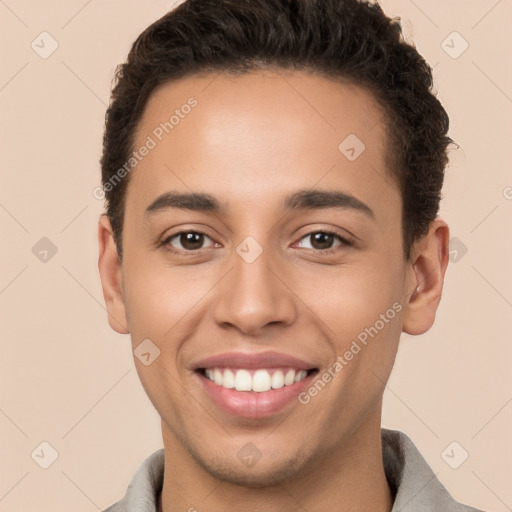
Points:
(347, 40)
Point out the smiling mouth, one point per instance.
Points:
(255, 380)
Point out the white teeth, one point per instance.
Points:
(289, 378)
(229, 379)
(243, 380)
(217, 376)
(262, 380)
(277, 380)
(300, 375)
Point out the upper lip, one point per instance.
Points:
(253, 360)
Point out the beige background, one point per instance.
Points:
(69, 380)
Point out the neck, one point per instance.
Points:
(349, 477)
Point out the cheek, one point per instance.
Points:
(166, 394)
(158, 297)
(354, 298)
(365, 326)
(361, 314)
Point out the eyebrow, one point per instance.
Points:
(301, 200)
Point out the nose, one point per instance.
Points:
(254, 295)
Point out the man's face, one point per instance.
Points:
(264, 277)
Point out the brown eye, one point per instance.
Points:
(325, 240)
(186, 240)
(322, 240)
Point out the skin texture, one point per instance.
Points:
(252, 140)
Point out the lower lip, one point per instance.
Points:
(250, 404)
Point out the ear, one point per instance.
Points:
(111, 277)
(429, 259)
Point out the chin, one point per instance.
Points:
(262, 474)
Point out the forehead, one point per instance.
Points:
(263, 133)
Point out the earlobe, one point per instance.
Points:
(428, 267)
(111, 277)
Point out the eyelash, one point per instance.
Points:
(165, 244)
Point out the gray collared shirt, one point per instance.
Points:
(413, 482)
